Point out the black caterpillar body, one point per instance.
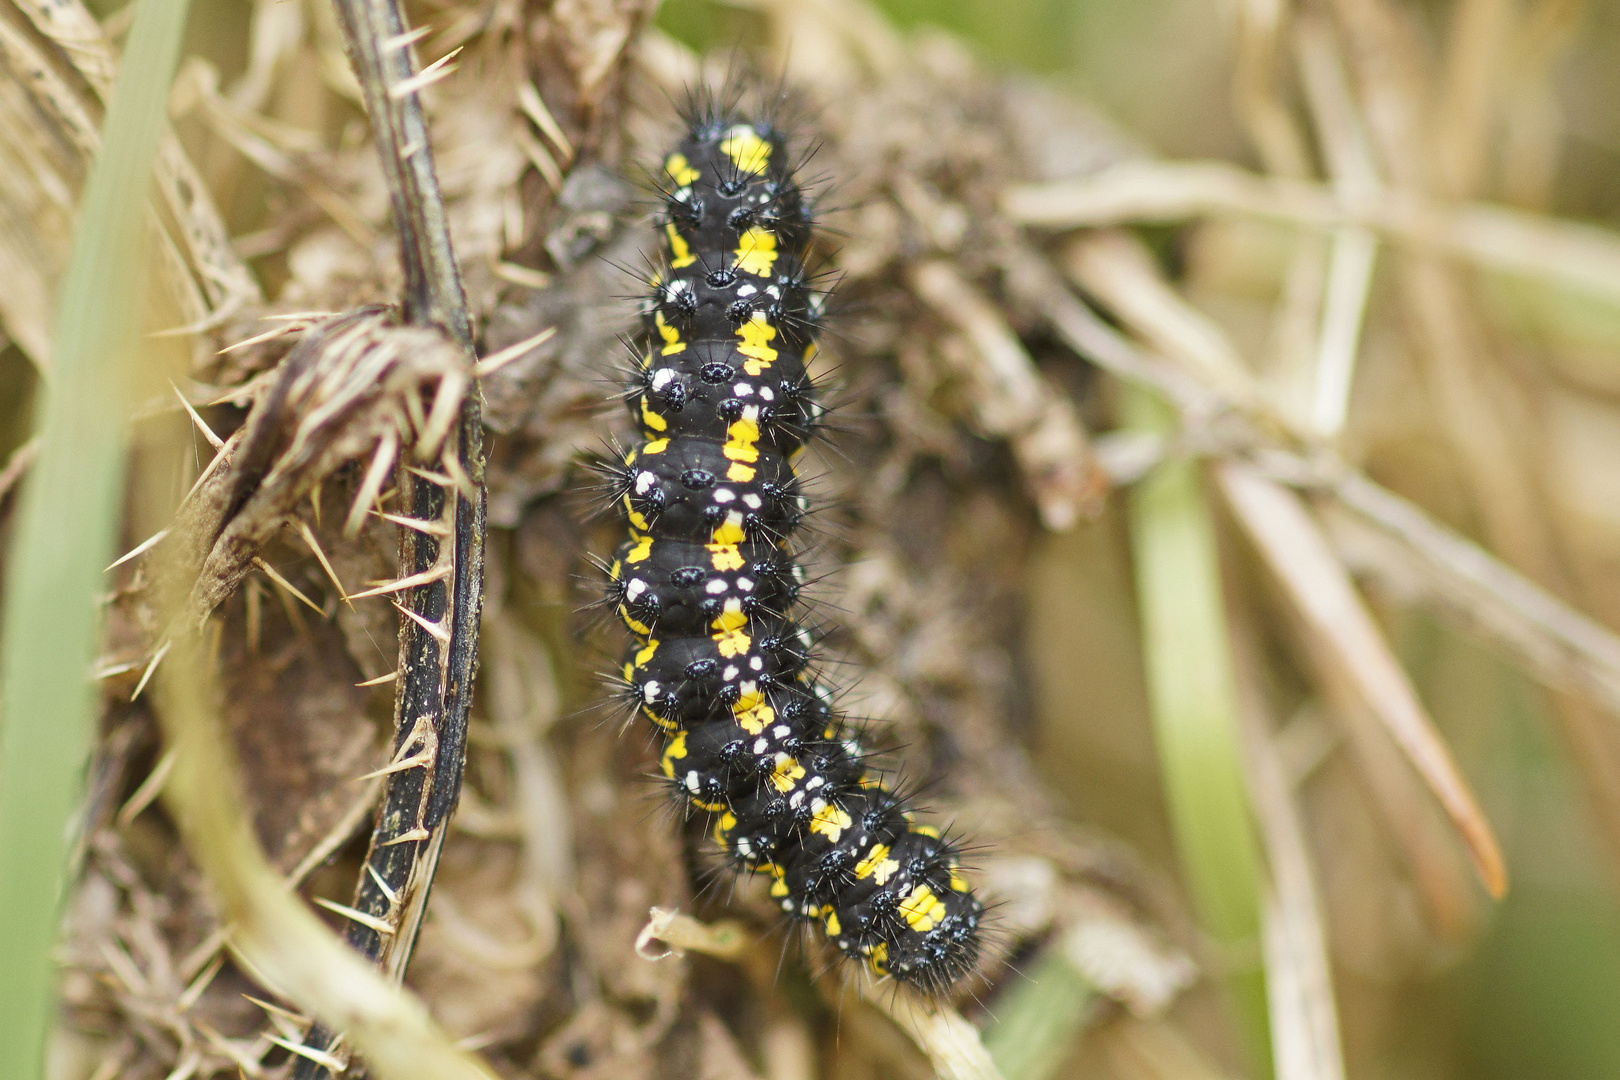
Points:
(708, 577)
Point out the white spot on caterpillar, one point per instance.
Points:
(742, 389)
(662, 377)
(715, 587)
(724, 495)
(649, 691)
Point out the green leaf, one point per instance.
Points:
(66, 528)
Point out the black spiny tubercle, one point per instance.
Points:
(707, 580)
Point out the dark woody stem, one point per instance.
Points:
(438, 637)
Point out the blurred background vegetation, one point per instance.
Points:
(1525, 987)
(1535, 990)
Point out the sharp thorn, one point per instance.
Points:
(369, 921)
(271, 573)
(157, 658)
(139, 549)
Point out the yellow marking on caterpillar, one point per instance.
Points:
(756, 252)
(629, 671)
(629, 620)
(650, 418)
(787, 773)
(730, 619)
(647, 361)
(680, 252)
(641, 552)
(723, 827)
(744, 146)
(655, 446)
(637, 521)
(741, 436)
(754, 720)
(779, 887)
(925, 830)
(877, 864)
(810, 351)
(831, 821)
(675, 749)
(739, 473)
(834, 927)
(730, 531)
(614, 570)
(667, 725)
(757, 334)
(877, 958)
(672, 337)
(680, 170)
(732, 643)
(957, 884)
(922, 909)
(646, 654)
(725, 557)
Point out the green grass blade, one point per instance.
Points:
(1193, 699)
(66, 529)
(1039, 1018)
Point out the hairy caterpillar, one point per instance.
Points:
(708, 578)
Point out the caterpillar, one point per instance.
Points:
(708, 579)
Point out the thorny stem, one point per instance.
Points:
(434, 691)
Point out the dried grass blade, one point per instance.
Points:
(1305, 1039)
(951, 1043)
(278, 936)
(1320, 589)
(1578, 257)
(1118, 269)
(1561, 646)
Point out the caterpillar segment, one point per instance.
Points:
(706, 581)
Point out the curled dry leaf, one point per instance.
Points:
(350, 384)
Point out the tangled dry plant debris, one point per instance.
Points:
(976, 221)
